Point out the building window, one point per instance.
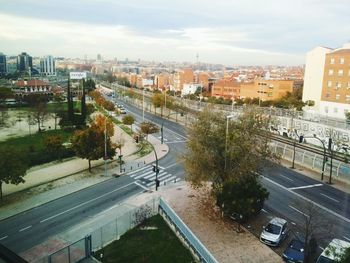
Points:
(340, 72)
(332, 60)
(327, 95)
(337, 85)
(347, 98)
(348, 85)
(329, 84)
(330, 72)
(335, 110)
(341, 60)
(337, 96)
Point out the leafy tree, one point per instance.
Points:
(345, 258)
(226, 152)
(90, 85)
(5, 93)
(90, 143)
(148, 128)
(129, 120)
(83, 104)
(13, 166)
(70, 104)
(158, 102)
(58, 107)
(38, 104)
(53, 145)
(243, 199)
(108, 105)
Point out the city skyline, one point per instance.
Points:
(222, 32)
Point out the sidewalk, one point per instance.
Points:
(68, 177)
(219, 236)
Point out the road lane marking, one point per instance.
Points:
(295, 209)
(84, 203)
(305, 186)
(171, 165)
(321, 247)
(142, 186)
(173, 142)
(307, 199)
(285, 177)
(293, 223)
(347, 238)
(330, 198)
(2, 238)
(264, 210)
(25, 228)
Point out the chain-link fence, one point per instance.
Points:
(340, 170)
(121, 224)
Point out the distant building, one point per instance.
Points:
(190, 89)
(23, 88)
(3, 65)
(99, 57)
(226, 88)
(47, 66)
(181, 77)
(327, 81)
(24, 62)
(266, 89)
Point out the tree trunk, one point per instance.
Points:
(0, 190)
(55, 121)
(38, 120)
(89, 165)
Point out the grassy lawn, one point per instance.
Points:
(33, 145)
(153, 245)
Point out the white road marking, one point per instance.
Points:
(330, 198)
(307, 199)
(285, 177)
(132, 174)
(161, 167)
(347, 238)
(174, 164)
(293, 223)
(295, 209)
(321, 247)
(264, 210)
(2, 238)
(84, 203)
(143, 187)
(177, 142)
(143, 174)
(25, 228)
(305, 186)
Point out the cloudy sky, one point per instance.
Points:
(231, 32)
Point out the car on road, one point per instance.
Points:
(122, 111)
(274, 232)
(294, 252)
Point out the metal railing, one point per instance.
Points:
(313, 161)
(192, 241)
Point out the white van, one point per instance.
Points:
(333, 251)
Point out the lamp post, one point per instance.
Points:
(155, 168)
(105, 146)
(227, 119)
(324, 155)
(143, 107)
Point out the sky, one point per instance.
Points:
(230, 32)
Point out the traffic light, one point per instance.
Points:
(330, 144)
(137, 139)
(301, 138)
(154, 168)
(157, 183)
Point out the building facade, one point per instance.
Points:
(327, 81)
(3, 65)
(266, 89)
(47, 66)
(226, 88)
(23, 88)
(24, 62)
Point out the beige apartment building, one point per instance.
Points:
(163, 80)
(226, 88)
(336, 82)
(272, 89)
(184, 76)
(327, 81)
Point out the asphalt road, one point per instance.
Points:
(287, 189)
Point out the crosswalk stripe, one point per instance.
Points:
(132, 174)
(164, 177)
(162, 181)
(143, 174)
(154, 175)
(169, 179)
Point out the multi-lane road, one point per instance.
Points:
(287, 188)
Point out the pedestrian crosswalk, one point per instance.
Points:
(147, 177)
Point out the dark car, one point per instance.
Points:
(294, 252)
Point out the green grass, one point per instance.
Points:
(153, 246)
(33, 146)
(146, 148)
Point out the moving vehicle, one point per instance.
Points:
(333, 252)
(274, 232)
(295, 251)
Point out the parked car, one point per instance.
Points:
(295, 251)
(122, 111)
(333, 252)
(274, 232)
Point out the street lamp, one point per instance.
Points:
(227, 119)
(105, 146)
(155, 168)
(143, 102)
(324, 156)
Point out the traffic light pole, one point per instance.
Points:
(155, 168)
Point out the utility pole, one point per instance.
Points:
(105, 146)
